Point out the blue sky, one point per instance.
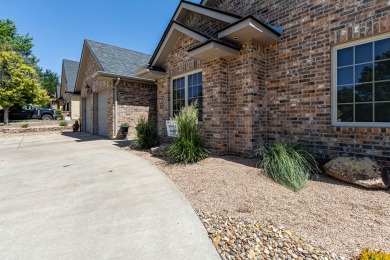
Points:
(59, 27)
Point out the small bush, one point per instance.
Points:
(287, 164)
(366, 254)
(64, 123)
(59, 113)
(147, 136)
(189, 147)
(125, 125)
(24, 125)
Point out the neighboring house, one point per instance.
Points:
(70, 98)
(57, 102)
(316, 72)
(111, 93)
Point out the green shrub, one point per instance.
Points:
(125, 125)
(24, 125)
(288, 164)
(59, 113)
(64, 123)
(147, 136)
(189, 147)
(367, 254)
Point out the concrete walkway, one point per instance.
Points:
(75, 196)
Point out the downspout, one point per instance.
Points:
(116, 107)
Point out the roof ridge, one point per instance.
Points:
(70, 60)
(117, 47)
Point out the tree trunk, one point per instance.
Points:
(6, 115)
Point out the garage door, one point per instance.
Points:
(88, 115)
(102, 117)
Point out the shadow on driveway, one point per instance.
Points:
(86, 137)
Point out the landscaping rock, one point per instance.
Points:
(362, 172)
(160, 151)
(246, 239)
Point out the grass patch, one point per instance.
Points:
(24, 125)
(63, 123)
(288, 164)
(147, 136)
(189, 147)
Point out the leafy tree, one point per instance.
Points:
(49, 81)
(18, 83)
(10, 38)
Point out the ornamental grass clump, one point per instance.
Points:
(287, 164)
(189, 146)
(147, 136)
(367, 254)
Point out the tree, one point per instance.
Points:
(18, 83)
(10, 37)
(49, 81)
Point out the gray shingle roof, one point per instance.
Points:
(71, 69)
(117, 60)
(58, 91)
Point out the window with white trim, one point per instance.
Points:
(361, 83)
(185, 90)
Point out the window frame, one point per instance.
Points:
(185, 75)
(334, 83)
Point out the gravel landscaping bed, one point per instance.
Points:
(326, 213)
(246, 239)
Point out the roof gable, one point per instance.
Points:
(70, 69)
(168, 41)
(117, 60)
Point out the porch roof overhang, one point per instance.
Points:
(213, 49)
(107, 75)
(149, 73)
(169, 40)
(250, 28)
(225, 45)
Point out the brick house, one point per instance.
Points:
(70, 100)
(110, 92)
(317, 72)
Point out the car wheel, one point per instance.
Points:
(47, 117)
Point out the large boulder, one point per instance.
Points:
(360, 171)
(161, 151)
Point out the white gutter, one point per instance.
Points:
(116, 107)
(107, 75)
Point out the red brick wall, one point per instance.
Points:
(136, 100)
(282, 90)
(298, 82)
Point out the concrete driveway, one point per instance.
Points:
(75, 196)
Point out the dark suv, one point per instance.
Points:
(29, 112)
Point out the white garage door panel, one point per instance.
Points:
(88, 115)
(102, 124)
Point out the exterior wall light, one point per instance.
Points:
(88, 89)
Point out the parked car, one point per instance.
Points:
(29, 111)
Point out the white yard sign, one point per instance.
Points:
(172, 129)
